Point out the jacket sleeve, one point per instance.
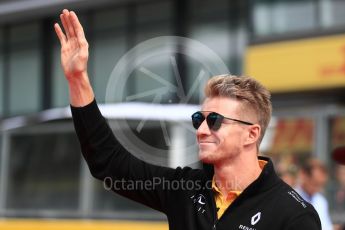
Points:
(309, 221)
(109, 161)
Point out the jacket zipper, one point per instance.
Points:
(215, 215)
(215, 224)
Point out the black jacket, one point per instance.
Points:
(185, 194)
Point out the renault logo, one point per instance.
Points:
(199, 198)
(256, 218)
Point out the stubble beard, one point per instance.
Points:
(214, 157)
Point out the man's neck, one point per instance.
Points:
(237, 173)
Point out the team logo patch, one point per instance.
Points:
(199, 201)
(255, 219)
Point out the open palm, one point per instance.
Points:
(74, 46)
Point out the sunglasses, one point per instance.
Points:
(213, 119)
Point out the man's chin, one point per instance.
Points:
(206, 157)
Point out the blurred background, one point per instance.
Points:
(295, 48)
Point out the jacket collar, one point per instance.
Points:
(265, 181)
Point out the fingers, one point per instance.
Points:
(72, 27)
(78, 29)
(64, 24)
(60, 34)
(68, 24)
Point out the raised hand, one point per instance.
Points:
(74, 57)
(74, 47)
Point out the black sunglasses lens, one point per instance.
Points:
(214, 121)
(197, 119)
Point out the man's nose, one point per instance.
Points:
(203, 129)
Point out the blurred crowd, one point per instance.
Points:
(309, 176)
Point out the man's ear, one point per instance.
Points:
(253, 134)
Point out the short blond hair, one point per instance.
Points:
(252, 94)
